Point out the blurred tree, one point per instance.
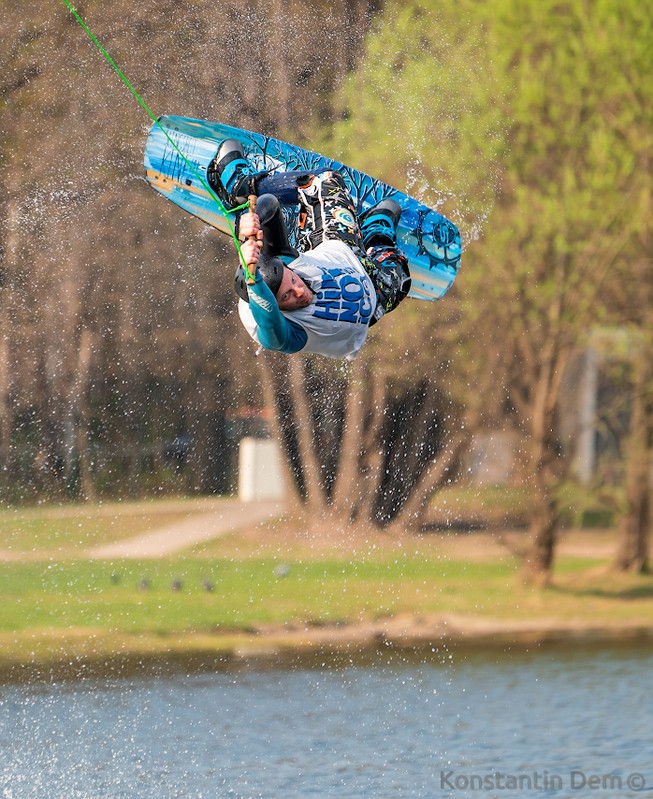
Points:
(635, 524)
(362, 444)
(628, 105)
(18, 66)
(539, 99)
(89, 254)
(557, 242)
(395, 432)
(398, 432)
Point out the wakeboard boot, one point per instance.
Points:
(379, 224)
(231, 176)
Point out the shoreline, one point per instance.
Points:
(301, 646)
(329, 598)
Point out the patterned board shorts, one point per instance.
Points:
(328, 212)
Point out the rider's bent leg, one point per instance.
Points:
(273, 225)
(327, 212)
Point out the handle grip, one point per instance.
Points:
(252, 210)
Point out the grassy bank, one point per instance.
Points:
(67, 531)
(277, 584)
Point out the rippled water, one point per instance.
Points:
(550, 724)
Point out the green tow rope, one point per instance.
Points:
(225, 211)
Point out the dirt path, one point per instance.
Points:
(250, 521)
(199, 527)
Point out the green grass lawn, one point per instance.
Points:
(135, 597)
(140, 596)
(67, 530)
(62, 604)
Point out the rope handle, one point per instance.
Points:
(252, 209)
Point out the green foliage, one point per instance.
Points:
(584, 506)
(109, 596)
(530, 124)
(555, 99)
(416, 113)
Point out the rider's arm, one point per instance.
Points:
(274, 330)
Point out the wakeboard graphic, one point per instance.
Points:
(430, 241)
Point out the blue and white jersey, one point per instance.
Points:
(337, 320)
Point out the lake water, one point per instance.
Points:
(554, 724)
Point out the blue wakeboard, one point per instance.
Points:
(430, 241)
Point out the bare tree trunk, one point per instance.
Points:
(5, 385)
(545, 458)
(544, 514)
(543, 527)
(411, 516)
(79, 402)
(373, 450)
(538, 562)
(632, 554)
(346, 492)
(279, 68)
(10, 247)
(316, 503)
(295, 499)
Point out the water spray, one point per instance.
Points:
(223, 210)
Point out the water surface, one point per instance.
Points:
(550, 724)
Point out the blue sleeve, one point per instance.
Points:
(274, 331)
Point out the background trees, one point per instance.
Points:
(119, 336)
(547, 98)
(528, 124)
